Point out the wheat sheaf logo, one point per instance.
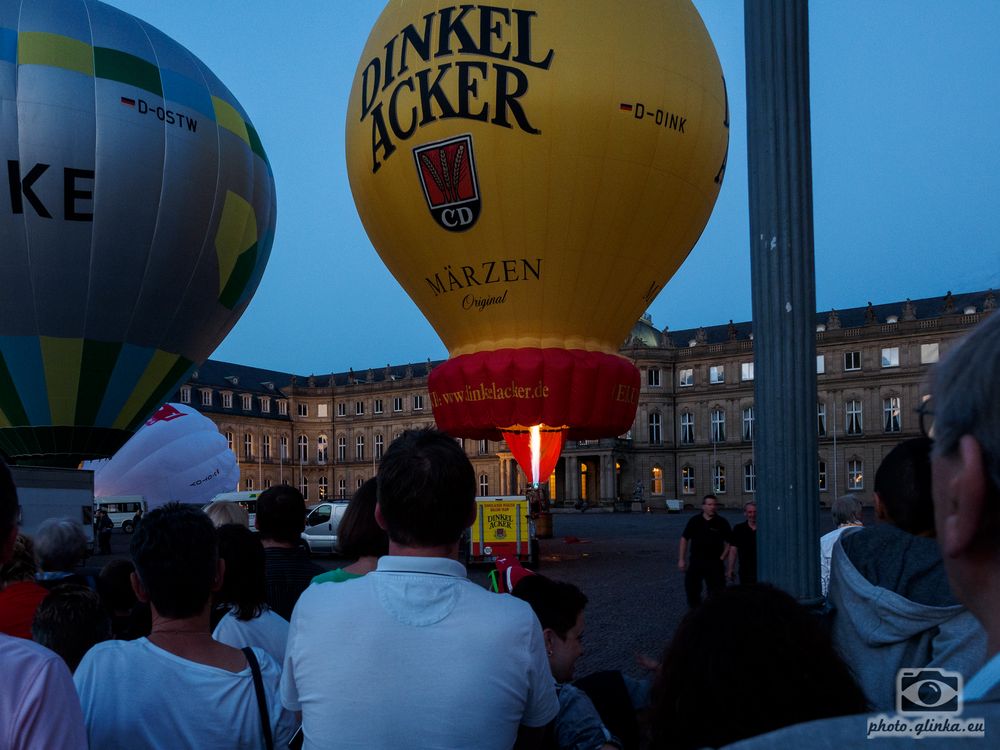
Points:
(447, 171)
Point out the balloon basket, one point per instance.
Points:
(543, 525)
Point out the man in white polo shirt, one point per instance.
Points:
(414, 654)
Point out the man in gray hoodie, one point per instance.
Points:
(889, 590)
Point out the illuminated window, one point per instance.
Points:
(322, 451)
(822, 476)
(322, 488)
(820, 364)
(656, 485)
(855, 474)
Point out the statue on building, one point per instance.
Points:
(370, 375)
(731, 330)
(832, 320)
(869, 315)
(701, 336)
(949, 303)
(990, 302)
(909, 310)
(312, 381)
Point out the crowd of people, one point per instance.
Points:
(216, 636)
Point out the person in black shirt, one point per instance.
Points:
(707, 534)
(743, 544)
(281, 517)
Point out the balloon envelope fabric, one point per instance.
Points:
(177, 455)
(139, 217)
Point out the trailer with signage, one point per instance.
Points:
(503, 528)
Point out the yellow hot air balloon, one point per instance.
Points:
(533, 173)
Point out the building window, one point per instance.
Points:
(303, 410)
(247, 445)
(322, 488)
(418, 403)
(322, 450)
(484, 447)
(304, 488)
(928, 354)
(361, 481)
(229, 441)
(890, 413)
(748, 422)
(342, 488)
(283, 408)
(687, 428)
(717, 374)
(341, 409)
(321, 411)
(822, 476)
(687, 480)
(249, 484)
(359, 408)
(227, 400)
(379, 446)
(247, 402)
(685, 377)
(718, 426)
(397, 403)
(484, 485)
(855, 423)
(746, 371)
(283, 447)
(852, 361)
(719, 478)
(820, 364)
(821, 419)
(653, 377)
(749, 477)
(267, 484)
(185, 394)
(890, 356)
(265, 404)
(656, 483)
(206, 398)
(855, 474)
(359, 448)
(303, 443)
(341, 449)
(654, 429)
(378, 406)
(265, 447)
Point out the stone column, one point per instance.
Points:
(784, 294)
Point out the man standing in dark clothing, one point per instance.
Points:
(104, 526)
(708, 536)
(281, 518)
(743, 544)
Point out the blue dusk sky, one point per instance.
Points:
(906, 169)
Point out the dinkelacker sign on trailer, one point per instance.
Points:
(503, 528)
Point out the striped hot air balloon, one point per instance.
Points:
(136, 219)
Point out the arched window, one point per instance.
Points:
(229, 440)
(855, 474)
(687, 480)
(719, 478)
(656, 486)
(342, 449)
(359, 448)
(322, 452)
(342, 488)
(379, 446)
(249, 484)
(247, 445)
(304, 488)
(303, 443)
(687, 428)
(718, 426)
(322, 488)
(283, 447)
(748, 424)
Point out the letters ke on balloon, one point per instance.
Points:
(539, 214)
(142, 212)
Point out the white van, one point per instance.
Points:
(322, 522)
(247, 500)
(121, 510)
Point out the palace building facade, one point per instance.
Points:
(694, 430)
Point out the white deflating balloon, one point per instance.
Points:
(177, 455)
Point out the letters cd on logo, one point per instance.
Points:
(447, 171)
